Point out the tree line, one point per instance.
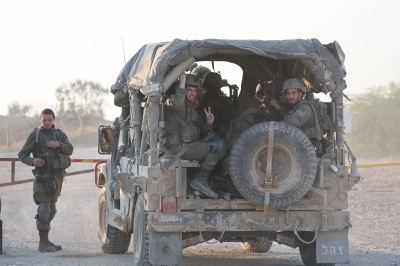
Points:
(376, 114)
(376, 122)
(78, 98)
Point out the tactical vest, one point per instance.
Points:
(57, 159)
(322, 119)
(185, 128)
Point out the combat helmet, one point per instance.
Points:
(200, 72)
(192, 80)
(264, 86)
(294, 83)
(213, 77)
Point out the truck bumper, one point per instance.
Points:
(246, 221)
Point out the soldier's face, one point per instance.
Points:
(293, 95)
(191, 93)
(47, 121)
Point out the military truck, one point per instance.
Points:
(293, 192)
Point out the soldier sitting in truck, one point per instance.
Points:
(220, 104)
(182, 132)
(308, 114)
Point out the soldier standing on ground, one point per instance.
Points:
(50, 148)
(182, 131)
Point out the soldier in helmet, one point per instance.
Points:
(200, 72)
(182, 131)
(280, 102)
(301, 114)
(266, 94)
(219, 103)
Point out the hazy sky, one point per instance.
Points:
(50, 42)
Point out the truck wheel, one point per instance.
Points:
(112, 240)
(140, 234)
(262, 245)
(293, 164)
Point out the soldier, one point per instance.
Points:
(220, 105)
(50, 148)
(301, 114)
(280, 102)
(271, 101)
(200, 72)
(182, 132)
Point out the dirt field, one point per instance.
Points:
(374, 238)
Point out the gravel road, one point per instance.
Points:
(374, 237)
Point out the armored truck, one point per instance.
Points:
(293, 191)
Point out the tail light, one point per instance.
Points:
(169, 204)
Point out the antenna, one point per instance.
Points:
(23, 116)
(123, 51)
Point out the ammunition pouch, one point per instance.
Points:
(49, 184)
(313, 133)
(60, 161)
(189, 133)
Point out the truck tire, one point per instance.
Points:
(262, 245)
(308, 252)
(112, 240)
(140, 235)
(293, 164)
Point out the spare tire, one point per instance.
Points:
(293, 164)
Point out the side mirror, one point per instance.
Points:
(105, 139)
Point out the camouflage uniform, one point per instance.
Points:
(302, 114)
(47, 210)
(220, 105)
(303, 117)
(180, 112)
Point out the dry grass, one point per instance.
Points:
(15, 130)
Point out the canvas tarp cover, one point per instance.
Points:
(150, 64)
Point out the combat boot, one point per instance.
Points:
(58, 247)
(200, 183)
(44, 245)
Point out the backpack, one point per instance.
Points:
(323, 122)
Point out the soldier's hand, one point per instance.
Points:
(209, 116)
(53, 144)
(38, 162)
(274, 103)
(182, 80)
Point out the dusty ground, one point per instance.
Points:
(374, 238)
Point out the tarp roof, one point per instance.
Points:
(150, 64)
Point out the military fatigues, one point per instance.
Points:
(277, 115)
(182, 127)
(177, 105)
(222, 108)
(46, 204)
(304, 118)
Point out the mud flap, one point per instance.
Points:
(165, 248)
(333, 247)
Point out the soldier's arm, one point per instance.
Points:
(65, 146)
(27, 149)
(299, 116)
(283, 111)
(177, 102)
